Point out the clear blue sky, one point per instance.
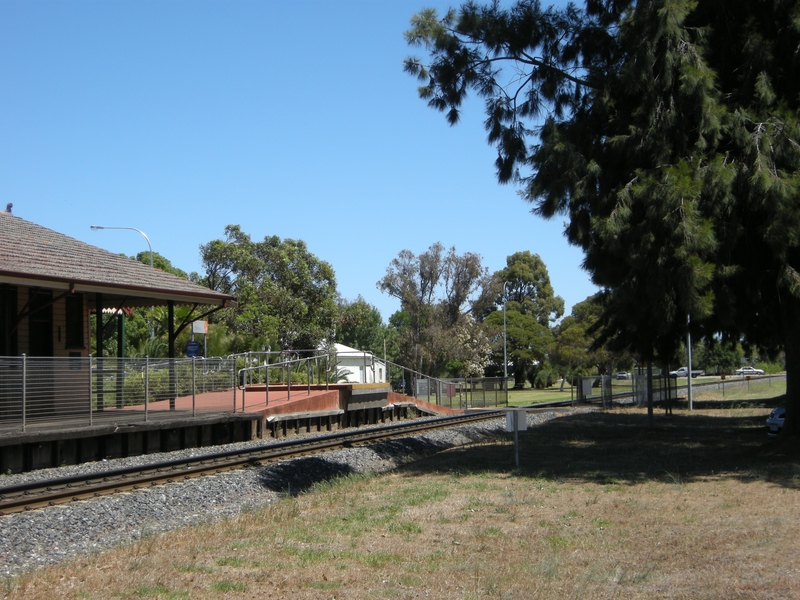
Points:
(292, 119)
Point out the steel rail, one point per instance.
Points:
(34, 495)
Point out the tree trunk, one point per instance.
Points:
(520, 368)
(791, 326)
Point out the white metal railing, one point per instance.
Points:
(81, 391)
(457, 393)
(280, 373)
(37, 391)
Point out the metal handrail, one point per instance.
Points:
(287, 365)
(50, 391)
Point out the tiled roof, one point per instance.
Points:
(29, 251)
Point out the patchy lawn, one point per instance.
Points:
(701, 506)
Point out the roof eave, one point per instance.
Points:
(91, 287)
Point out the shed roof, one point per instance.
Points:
(343, 351)
(36, 256)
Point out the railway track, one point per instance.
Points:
(44, 493)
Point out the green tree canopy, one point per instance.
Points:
(528, 289)
(527, 341)
(717, 357)
(437, 290)
(668, 133)
(361, 326)
(286, 295)
(531, 307)
(576, 348)
(146, 328)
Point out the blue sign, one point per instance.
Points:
(192, 349)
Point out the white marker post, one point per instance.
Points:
(516, 424)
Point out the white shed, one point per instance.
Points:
(359, 366)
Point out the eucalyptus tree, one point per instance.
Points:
(286, 295)
(668, 133)
(437, 291)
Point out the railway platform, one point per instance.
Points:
(212, 418)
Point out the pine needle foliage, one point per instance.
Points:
(668, 133)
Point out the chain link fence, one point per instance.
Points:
(456, 393)
(609, 390)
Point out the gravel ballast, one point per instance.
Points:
(43, 537)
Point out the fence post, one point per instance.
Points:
(24, 389)
(235, 383)
(308, 374)
(173, 383)
(245, 374)
(91, 414)
(146, 386)
(120, 381)
(194, 407)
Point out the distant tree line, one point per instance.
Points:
(451, 320)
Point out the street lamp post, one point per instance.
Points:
(505, 360)
(689, 351)
(96, 227)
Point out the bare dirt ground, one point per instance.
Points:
(703, 505)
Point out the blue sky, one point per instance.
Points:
(292, 119)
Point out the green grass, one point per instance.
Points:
(529, 396)
(601, 506)
(230, 561)
(733, 388)
(228, 586)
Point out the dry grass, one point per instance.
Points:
(702, 506)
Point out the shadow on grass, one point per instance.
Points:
(298, 476)
(620, 448)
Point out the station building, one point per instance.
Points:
(50, 283)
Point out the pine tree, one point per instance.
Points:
(667, 132)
